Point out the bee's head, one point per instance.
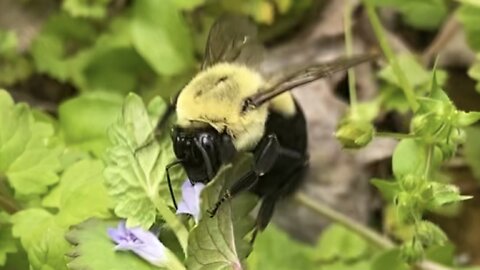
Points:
(202, 151)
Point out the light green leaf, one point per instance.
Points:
(218, 242)
(270, 252)
(390, 259)
(26, 158)
(90, 9)
(135, 172)
(188, 4)
(464, 119)
(339, 243)
(42, 237)
(472, 150)
(76, 114)
(94, 250)
(387, 188)
(161, 36)
(445, 194)
(468, 15)
(415, 73)
(474, 72)
(82, 194)
(61, 38)
(425, 14)
(8, 243)
(408, 158)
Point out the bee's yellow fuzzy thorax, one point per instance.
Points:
(215, 97)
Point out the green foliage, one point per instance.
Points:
(94, 250)
(472, 150)
(14, 67)
(218, 243)
(27, 157)
(76, 114)
(44, 242)
(424, 14)
(8, 242)
(275, 250)
(135, 173)
(95, 9)
(161, 36)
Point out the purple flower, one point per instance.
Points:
(190, 203)
(143, 243)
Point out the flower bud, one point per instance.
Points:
(412, 251)
(429, 234)
(354, 134)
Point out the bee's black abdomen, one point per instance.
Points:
(287, 172)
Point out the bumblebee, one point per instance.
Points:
(230, 107)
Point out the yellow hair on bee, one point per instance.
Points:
(284, 104)
(215, 97)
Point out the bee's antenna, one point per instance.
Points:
(167, 168)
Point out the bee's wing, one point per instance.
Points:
(233, 38)
(303, 76)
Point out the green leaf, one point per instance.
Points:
(13, 66)
(390, 259)
(90, 9)
(474, 72)
(468, 15)
(42, 237)
(408, 158)
(444, 254)
(415, 73)
(464, 119)
(26, 158)
(425, 14)
(81, 193)
(8, 242)
(445, 194)
(270, 252)
(76, 114)
(61, 38)
(219, 242)
(188, 4)
(339, 243)
(387, 188)
(94, 250)
(135, 172)
(472, 150)
(161, 36)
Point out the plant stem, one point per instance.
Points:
(395, 135)
(368, 234)
(7, 202)
(322, 209)
(381, 36)
(428, 162)
(173, 222)
(347, 23)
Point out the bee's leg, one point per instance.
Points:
(265, 154)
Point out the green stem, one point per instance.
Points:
(322, 209)
(395, 135)
(347, 23)
(173, 263)
(381, 36)
(173, 222)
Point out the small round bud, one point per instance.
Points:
(430, 234)
(354, 134)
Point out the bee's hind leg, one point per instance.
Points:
(265, 154)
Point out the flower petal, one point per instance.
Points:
(143, 243)
(190, 203)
